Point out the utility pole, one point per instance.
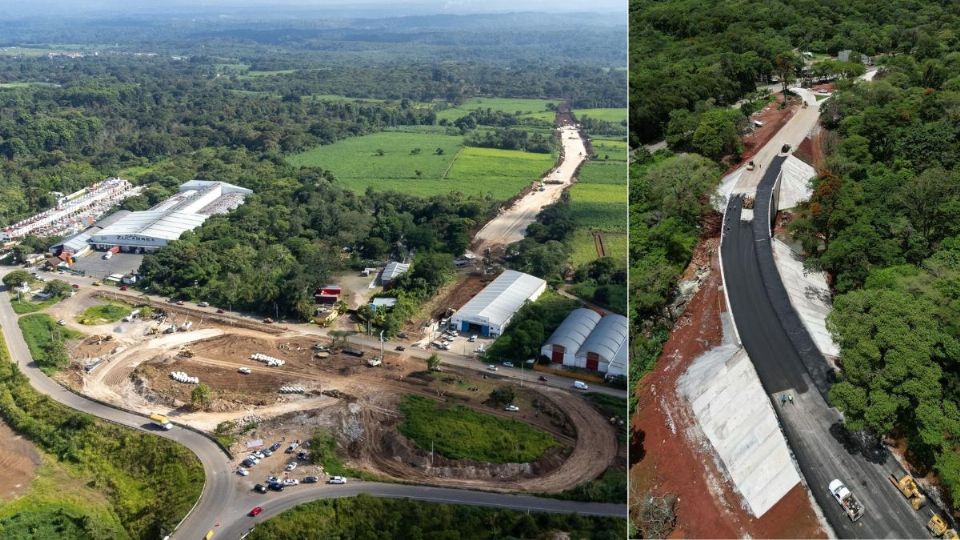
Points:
(381, 345)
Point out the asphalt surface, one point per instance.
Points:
(225, 502)
(813, 429)
(276, 503)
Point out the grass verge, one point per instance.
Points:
(457, 432)
(21, 307)
(104, 313)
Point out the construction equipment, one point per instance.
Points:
(908, 487)
(939, 528)
(851, 505)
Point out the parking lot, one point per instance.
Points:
(96, 266)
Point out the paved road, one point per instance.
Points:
(276, 503)
(811, 426)
(225, 501)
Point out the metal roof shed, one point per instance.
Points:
(489, 312)
(562, 345)
(606, 347)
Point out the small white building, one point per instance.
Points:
(562, 345)
(392, 270)
(490, 311)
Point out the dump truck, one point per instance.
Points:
(161, 421)
(939, 528)
(846, 499)
(908, 487)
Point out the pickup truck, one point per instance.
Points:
(846, 499)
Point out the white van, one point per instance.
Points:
(580, 385)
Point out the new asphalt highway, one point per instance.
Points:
(225, 502)
(776, 342)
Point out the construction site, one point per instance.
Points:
(283, 383)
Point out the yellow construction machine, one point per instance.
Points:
(939, 528)
(908, 486)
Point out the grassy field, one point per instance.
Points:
(457, 432)
(611, 149)
(45, 339)
(599, 206)
(358, 164)
(585, 251)
(360, 158)
(367, 517)
(104, 313)
(104, 474)
(21, 307)
(615, 116)
(508, 105)
(604, 172)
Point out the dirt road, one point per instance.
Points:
(510, 225)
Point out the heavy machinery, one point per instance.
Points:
(851, 505)
(939, 528)
(908, 487)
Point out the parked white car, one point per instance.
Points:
(292, 465)
(337, 480)
(511, 408)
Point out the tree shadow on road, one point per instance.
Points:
(861, 442)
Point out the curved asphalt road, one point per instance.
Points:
(770, 336)
(224, 502)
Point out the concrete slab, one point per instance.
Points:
(96, 266)
(727, 184)
(795, 183)
(735, 414)
(809, 294)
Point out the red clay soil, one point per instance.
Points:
(676, 462)
(773, 118)
(811, 150)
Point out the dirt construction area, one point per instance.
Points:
(281, 384)
(672, 459)
(18, 461)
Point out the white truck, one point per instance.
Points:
(851, 505)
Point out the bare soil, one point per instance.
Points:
(773, 118)
(673, 460)
(19, 458)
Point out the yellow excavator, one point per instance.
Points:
(908, 486)
(939, 528)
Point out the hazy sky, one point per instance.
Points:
(332, 8)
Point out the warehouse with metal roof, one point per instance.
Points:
(152, 229)
(490, 311)
(562, 345)
(587, 340)
(392, 270)
(606, 348)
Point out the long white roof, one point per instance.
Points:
(154, 223)
(573, 331)
(609, 339)
(499, 300)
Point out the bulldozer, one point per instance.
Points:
(908, 487)
(939, 528)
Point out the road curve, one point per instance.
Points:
(277, 503)
(223, 504)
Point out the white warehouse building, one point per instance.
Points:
(588, 341)
(490, 311)
(152, 229)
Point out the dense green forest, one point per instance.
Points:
(883, 223)
(365, 517)
(882, 219)
(691, 55)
